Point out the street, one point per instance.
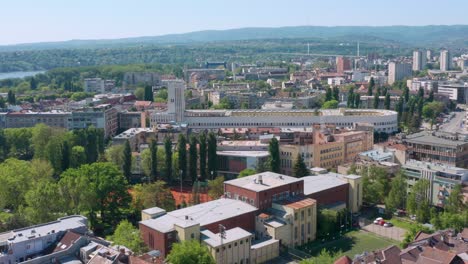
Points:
(455, 124)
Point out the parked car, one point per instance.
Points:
(382, 222)
(377, 220)
(388, 224)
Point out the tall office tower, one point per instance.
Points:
(398, 71)
(419, 60)
(429, 55)
(445, 60)
(342, 64)
(176, 99)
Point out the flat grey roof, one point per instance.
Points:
(42, 230)
(232, 235)
(261, 243)
(203, 214)
(239, 153)
(314, 184)
(427, 138)
(270, 180)
(154, 210)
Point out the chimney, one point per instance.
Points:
(260, 180)
(186, 217)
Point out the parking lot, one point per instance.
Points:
(393, 232)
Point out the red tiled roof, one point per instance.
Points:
(67, 240)
(344, 260)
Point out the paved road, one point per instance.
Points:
(455, 124)
(393, 232)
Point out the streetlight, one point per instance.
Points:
(212, 175)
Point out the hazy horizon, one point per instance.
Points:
(30, 21)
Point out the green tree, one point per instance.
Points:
(153, 160)
(140, 93)
(77, 156)
(216, 187)
(387, 101)
(357, 100)
(127, 161)
(3, 146)
(406, 94)
(430, 98)
(455, 202)
(274, 161)
(168, 158)
(54, 154)
(328, 94)
(11, 98)
(336, 94)
(193, 158)
(300, 169)
(149, 93)
(2, 102)
(432, 110)
(98, 190)
(182, 151)
(33, 83)
(397, 196)
(333, 104)
(114, 154)
(376, 100)
(155, 194)
(129, 236)
(417, 201)
(246, 172)
(325, 257)
(202, 150)
(212, 156)
(43, 202)
(190, 252)
(371, 86)
(350, 102)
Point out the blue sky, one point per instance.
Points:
(24, 21)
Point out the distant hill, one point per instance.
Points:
(422, 36)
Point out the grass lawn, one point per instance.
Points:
(352, 243)
(400, 223)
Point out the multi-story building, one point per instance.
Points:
(445, 60)
(129, 120)
(100, 116)
(288, 156)
(30, 119)
(419, 60)
(367, 102)
(335, 191)
(21, 244)
(233, 247)
(439, 147)
(94, 85)
(132, 79)
(231, 163)
(429, 55)
(136, 137)
(454, 91)
(442, 179)
(342, 64)
(398, 71)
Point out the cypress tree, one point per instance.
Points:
(182, 150)
(371, 86)
(65, 155)
(387, 101)
(350, 102)
(431, 97)
(202, 150)
(212, 157)
(127, 161)
(300, 169)
(193, 158)
(154, 160)
(357, 100)
(336, 94)
(168, 158)
(406, 94)
(376, 100)
(149, 93)
(273, 148)
(328, 94)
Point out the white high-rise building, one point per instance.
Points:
(445, 60)
(398, 71)
(176, 99)
(419, 60)
(429, 55)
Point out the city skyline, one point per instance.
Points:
(52, 20)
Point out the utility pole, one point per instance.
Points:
(222, 235)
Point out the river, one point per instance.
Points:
(20, 74)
